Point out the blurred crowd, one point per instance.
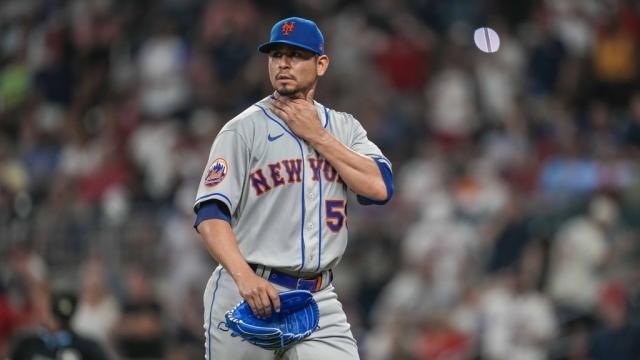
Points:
(515, 230)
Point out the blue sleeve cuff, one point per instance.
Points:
(213, 209)
(387, 176)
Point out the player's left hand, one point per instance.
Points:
(300, 115)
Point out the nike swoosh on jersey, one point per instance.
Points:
(274, 138)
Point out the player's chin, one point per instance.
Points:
(287, 90)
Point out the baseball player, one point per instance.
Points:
(272, 203)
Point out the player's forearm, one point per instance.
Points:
(359, 172)
(222, 245)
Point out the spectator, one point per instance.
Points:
(449, 245)
(579, 252)
(139, 333)
(161, 65)
(404, 58)
(98, 310)
(512, 235)
(56, 340)
(520, 320)
(617, 337)
(615, 61)
(545, 58)
(451, 111)
(8, 319)
(439, 340)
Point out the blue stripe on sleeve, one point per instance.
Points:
(216, 195)
(213, 209)
(387, 176)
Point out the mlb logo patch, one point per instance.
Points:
(216, 173)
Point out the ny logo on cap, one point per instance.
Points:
(288, 27)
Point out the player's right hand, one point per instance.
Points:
(260, 295)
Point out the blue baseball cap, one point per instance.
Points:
(298, 32)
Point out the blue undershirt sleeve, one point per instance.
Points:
(387, 176)
(213, 209)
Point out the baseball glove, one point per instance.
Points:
(297, 319)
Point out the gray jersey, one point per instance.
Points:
(288, 204)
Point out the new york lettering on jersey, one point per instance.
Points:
(293, 170)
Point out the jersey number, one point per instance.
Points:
(336, 214)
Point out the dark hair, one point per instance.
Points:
(63, 306)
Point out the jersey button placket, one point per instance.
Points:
(312, 241)
(312, 203)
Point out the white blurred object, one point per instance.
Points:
(98, 310)
(517, 326)
(603, 210)
(447, 244)
(161, 65)
(397, 299)
(451, 100)
(50, 117)
(486, 39)
(81, 159)
(115, 205)
(485, 194)
(499, 79)
(579, 249)
(152, 147)
(419, 179)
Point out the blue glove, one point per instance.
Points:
(297, 319)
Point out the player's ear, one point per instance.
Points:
(322, 64)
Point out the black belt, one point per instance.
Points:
(312, 284)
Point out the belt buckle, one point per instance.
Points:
(308, 284)
(312, 285)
